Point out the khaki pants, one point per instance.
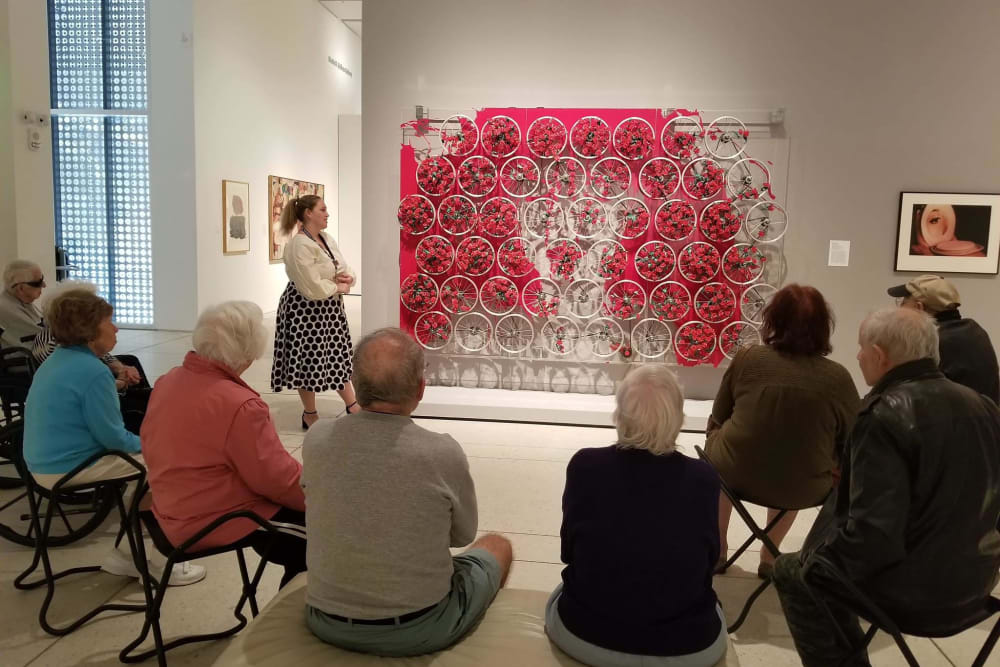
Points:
(108, 467)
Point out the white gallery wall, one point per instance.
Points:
(879, 98)
(266, 101)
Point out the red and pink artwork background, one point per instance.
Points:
(530, 234)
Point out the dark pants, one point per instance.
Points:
(289, 547)
(816, 639)
(135, 400)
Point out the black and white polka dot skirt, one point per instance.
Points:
(312, 344)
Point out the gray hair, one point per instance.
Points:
(61, 288)
(388, 367)
(231, 333)
(904, 334)
(17, 271)
(649, 410)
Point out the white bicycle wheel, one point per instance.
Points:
(459, 294)
(695, 342)
(654, 261)
(703, 179)
(418, 292)
(564, 258)
(629, 218)
(699, 262)
(754, 300)
(435, 176)
(415, 214)
(519, 176)
(459, 135)
(590, 137)
(675, 219)
(606, 260)
(516, 257)
(473, 332)
(432, 330)
(498, 217)
(587, 217)
(477, 176)
(748, 179)
(625, 300)
(474, 256)
(602, 337)
(670, 301)
(610, 178)
(500, 136)
(715, 302)
(513, 333)
(681, 138)
(583, 298)
(560, 335)
(541, 297)
(544, 218)
(743, 263)
(434, 255)
(726, 137)
(498, 295)
(766, 222)
(720, 221)
(634, 138)
(565, 177)
(737, 335)
(457, 215)
(651, 338)
(546, 137)
(659, 178)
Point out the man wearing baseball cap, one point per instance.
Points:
(967, 355)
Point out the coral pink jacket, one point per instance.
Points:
(210, 448)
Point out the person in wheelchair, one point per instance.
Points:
(781, 415)
(211, 448)
(20, 317)
(913, 521)
(72, 411)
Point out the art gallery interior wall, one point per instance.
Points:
(870, 109)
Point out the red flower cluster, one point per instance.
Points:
(418, 292)
(695, 341)
(457, 215)
(729, 339)
(589, 136)
(564, 258)
(610, 178)
(546, 137)
(513, 257)
(720, 221)
(433, 330)
(500, 293)
(634, 139)
(477, 176)
(435, 175)
(458, 294)
(461, 140)
(658, 178)
(670, 301)
(498, 217)
(699, 261)
(611, 265)
(655, 260)
(565, 177)
(631, 218)
(501, 136)
(715, 302)
(434, 255)
(743, 263)
(519, 176)
(675, 220)
(703, 178)
(415, 214)
(474, 256)
(680, 144)
(625, 300)
(588, 217)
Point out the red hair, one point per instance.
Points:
(798, 321)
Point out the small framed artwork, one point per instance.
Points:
(948, 233)
(280, 191)
(235, 217)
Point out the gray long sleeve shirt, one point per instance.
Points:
(19, 322)
(385, 499)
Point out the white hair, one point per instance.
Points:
(49, 295)
(649, 410)
(231, 333)
(18, 270)
(904, 334)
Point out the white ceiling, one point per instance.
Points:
(348, 11)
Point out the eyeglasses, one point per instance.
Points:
(31, 283)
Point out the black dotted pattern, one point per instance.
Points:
(312, 344)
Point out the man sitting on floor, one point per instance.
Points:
(913, 522)
(385, 499)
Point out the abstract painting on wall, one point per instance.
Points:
(280, 191)
(235, 217)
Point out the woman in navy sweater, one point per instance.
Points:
(640, 540)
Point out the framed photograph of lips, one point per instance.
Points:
(948, 232)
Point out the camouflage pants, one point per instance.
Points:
(816, 640)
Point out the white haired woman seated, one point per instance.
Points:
(640, 541)
(211, 448)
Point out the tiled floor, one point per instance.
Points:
(518, 470)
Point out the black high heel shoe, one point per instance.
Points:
(305, 426)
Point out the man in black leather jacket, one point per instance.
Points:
(913, 522)
(967, 355)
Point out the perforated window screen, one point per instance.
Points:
(97, 52)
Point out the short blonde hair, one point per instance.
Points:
(231, 333)
(649, 410)
(904, 334)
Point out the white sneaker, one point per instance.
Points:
(182, 574)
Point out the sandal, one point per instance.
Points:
(305, 426)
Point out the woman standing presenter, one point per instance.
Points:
(312, 343)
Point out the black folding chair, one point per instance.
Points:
(827, 581)
(186, 552)
(42, 530)
(756, 533)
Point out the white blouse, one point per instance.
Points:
(311, 269)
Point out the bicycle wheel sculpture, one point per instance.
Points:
(699, 262)
(766, 222)
(459, 295)
(659, 178)
(754, 300)
(743, 264)
(513, 334)
(473, 332)
(589, 137)
(695, 341)
(498, 295)
(703, 179)
(435, 176)
(587, 217)
(748, 179)
(565, 177)
(459, 135)
(670, 301)
(500, 136)
(564, 259)
(498, 217)
(457, 215)
(633, 139)
(560, 335)
(625, 300)
(432, 330)
(681, 138)
(544, 218)
(541, 297)
(629, 218)
(477, 176)
(720, 222)
(547, 137)
(655, 260)
(516, 257)
(583, 298)
(715, 302)
(474, 256)
(602, 337)
(607, 260)
(651, 338)
(610, 178)
(519, 177)
(435, 255)
(737, 335)
(726, 137)
(415, 214)
(418, 292)
(675, 220)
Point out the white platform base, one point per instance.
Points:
(537, 407)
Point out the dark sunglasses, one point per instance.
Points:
(32, 283)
